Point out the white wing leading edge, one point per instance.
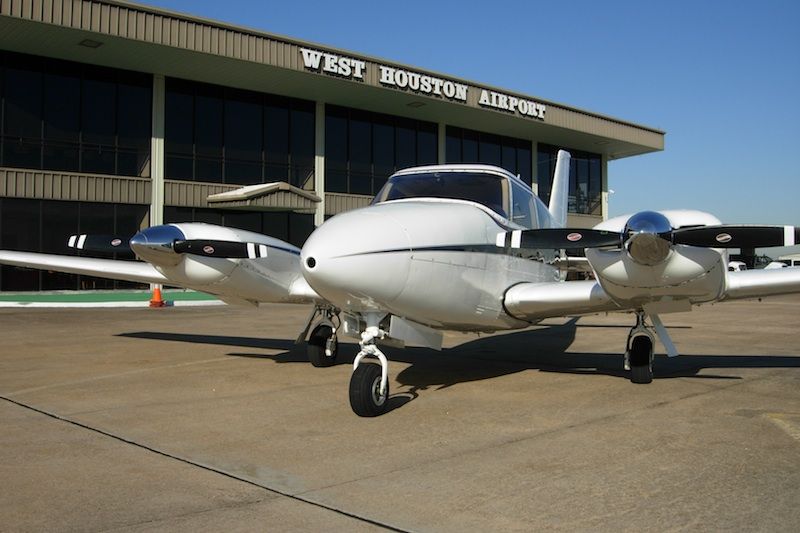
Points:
(103, 268)
(757, 283)
(536, 301)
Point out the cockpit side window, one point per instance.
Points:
(523, 211)
(487, 189)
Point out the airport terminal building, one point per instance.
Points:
(116, 116)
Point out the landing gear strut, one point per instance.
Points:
(369, 384)
(322, 345)
(639, 352)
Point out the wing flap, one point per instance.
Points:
(103, 268)
(765, 282)
(535, 301)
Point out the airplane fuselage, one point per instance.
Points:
(433, 261)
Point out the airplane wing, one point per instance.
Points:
(535, 301)
(103, 268)
(765, 282)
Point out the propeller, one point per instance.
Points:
(99, 243)
(559, 238)
(730, 236)
(167, 241)
(648, 237)
(224, 249)
(722, 236)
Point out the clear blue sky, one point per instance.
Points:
(721, 78)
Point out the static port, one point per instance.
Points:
(311, 262)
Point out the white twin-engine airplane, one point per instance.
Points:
(451, 247)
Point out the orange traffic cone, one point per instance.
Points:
(156, 301)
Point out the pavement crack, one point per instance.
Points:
(209, 468)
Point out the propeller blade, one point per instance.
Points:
(730, 236)
(99, 243)
(559, 238)
(222, 249)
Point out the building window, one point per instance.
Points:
(59, 115)
(45, 226)
(293, 228)
(468, 146)
(362, 149)
(585, 179)
(225, 135)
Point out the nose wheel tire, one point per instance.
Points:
(319, 344)
(365, 391)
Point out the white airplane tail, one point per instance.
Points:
(560, 190)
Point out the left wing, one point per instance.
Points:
(535, 301)
(763, 282)
(103, 268)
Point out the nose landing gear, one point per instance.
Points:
(369, 384)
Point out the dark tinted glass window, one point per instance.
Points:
(467, 146)
(301, 131)
(59, 222)
(490, 151)
(453, 146)
(406, 144)
(22, 115)
(44, 226)
(524, 162)
(236, 136)
(427, 144)
(360, 154)
(208, 122)
(336, 141)
(98, 107)
(276, 140)
(179, 119)
(585, 178)
(363, 149)
(61, 115)
(133, 111)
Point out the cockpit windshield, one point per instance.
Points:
(487, 189)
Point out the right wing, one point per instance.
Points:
(103, 268)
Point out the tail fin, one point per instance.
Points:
(560, 190)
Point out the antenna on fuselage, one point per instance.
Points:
(560, 190)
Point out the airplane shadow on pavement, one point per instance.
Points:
(543, 349)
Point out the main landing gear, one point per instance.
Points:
(322, 346)
(369, 384)
(639, 350)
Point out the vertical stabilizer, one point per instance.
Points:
(560, 190)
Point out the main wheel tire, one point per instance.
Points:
(365, 397)
(640, 360)
(315, 348)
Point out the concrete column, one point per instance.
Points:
(319, 162)
(535, 167)
(157, 153)
(442, 144)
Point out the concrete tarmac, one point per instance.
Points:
(209, 419)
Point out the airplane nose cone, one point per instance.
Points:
(154, 244)
(359, 259)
